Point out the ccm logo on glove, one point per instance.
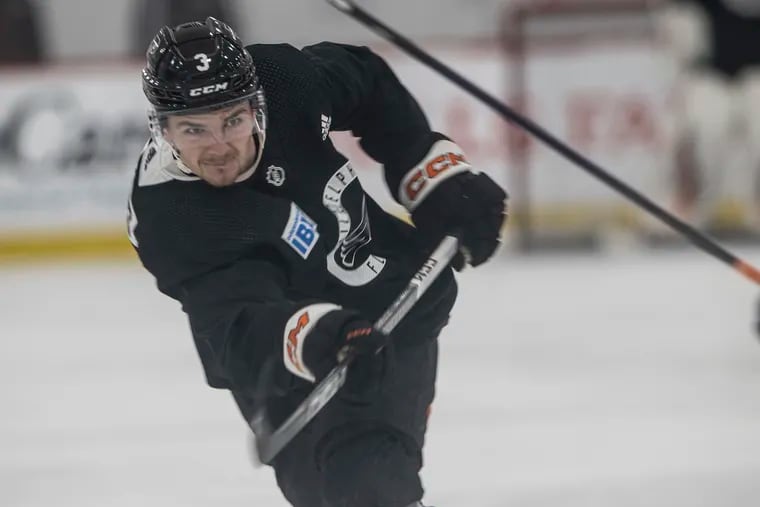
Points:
(296, 330)
(444, 160)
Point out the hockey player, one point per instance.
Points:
(716, 128)
(245, 213)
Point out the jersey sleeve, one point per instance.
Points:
(240, 316)
(231, 257)
(367, 98)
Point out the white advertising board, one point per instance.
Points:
(69, 136)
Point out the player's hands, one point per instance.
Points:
(332, 337)
(472, 204)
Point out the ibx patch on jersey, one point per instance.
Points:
(300, 232)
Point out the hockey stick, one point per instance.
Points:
(698, 238)
(270, 443)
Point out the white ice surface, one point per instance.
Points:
(573, 381)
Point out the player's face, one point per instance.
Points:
(217, 146)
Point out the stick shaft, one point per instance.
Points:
(270, 444)
(698, 238)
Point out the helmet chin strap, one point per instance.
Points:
(180, 163)
(259, 151)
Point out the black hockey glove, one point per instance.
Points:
(333, 335)
(472, 204)
(444, 196)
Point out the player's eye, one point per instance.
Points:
(234, 121)
(194, 131)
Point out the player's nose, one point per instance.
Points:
(218, 146)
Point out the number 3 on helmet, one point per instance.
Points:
(195, 68)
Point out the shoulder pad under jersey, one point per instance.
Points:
(158, 164)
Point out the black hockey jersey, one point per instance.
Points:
(731, 23)
(243, 259)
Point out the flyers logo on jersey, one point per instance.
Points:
(444, 160)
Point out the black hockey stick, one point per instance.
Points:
(270, 443)
(698, 238)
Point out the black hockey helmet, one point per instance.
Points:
(200, 67)
(197, 65)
